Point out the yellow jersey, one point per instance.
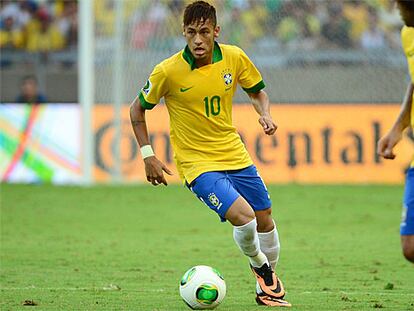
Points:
(407, 39)
(199, 103)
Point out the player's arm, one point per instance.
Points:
(153, 167)
(387, 143)
(261, 104)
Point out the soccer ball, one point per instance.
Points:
(202, 287)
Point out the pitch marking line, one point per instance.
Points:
(163, 290)
(104, 289)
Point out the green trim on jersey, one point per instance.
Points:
(144, 104)
(255, 89)
(189, 58)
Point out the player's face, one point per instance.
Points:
(200, 39)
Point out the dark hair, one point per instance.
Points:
(29, 77)
(407, 11)
(199, 10)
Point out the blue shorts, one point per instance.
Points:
(219, 190)
(407, 223)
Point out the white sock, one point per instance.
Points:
(247, 240)
(270, 245)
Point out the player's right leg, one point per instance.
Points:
(407, 223)
(216, 191)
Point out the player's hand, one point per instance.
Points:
(269, 127)
(154, 169)
(387, 143)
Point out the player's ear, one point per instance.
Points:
(183, 30)
(217, 31)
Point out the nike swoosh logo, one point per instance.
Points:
(185, 89)
(226, 89)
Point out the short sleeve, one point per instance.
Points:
(154, 89)
(407, 39)
(249, 77)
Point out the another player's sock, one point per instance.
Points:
(270, 246)
(247, 240)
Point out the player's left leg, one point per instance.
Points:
(270, 246)
(249, 184)
(407, 223)
(268, 236)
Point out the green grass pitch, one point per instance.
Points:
(126, 248)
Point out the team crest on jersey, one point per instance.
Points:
(147, 87)
(227, 77)
(214, 200)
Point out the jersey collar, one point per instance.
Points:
(189, 58)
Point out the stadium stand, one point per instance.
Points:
(323, 37)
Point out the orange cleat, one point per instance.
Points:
(265, 300)
(268, 281)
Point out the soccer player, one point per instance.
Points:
(198, 84)
(404, 119)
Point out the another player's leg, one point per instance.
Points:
(407, 244)
(407, 223)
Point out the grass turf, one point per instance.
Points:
(126, 248)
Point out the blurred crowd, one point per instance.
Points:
(291, 24)
(311, 25)
(51, 25)
(38, 26)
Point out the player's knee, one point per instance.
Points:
(264, 221)
(244, 218)
(408, 252)
(266, 226)
(240, 213)
(241, 218)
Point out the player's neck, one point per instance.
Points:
(205, 61)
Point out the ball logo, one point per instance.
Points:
(147, 87)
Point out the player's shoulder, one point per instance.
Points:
(407, 33)
(170, 63)
(407, 38)
(230, 50)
